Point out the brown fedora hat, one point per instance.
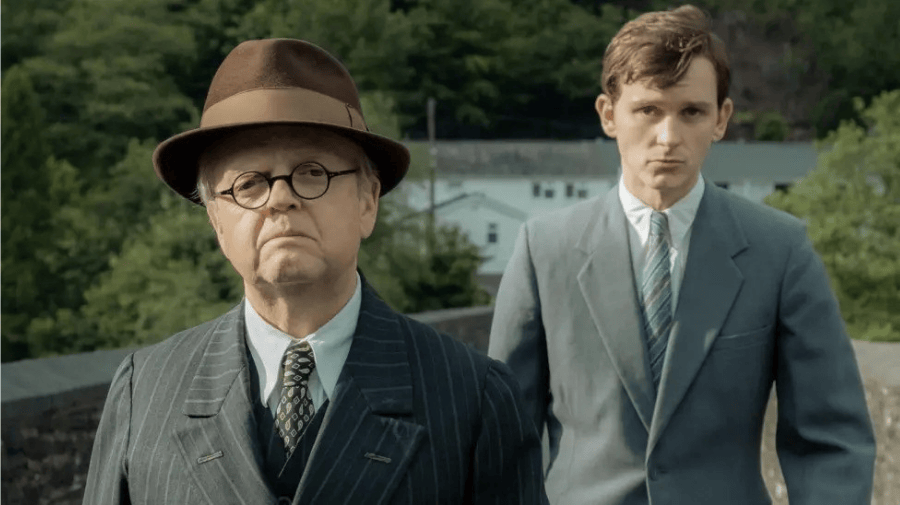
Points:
(277, 81)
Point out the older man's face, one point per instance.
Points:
(290, 242)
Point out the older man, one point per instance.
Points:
(311, 390)
(648, 325)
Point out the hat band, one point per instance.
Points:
(267, 105)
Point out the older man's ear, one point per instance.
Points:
(213, 217)
(368, 201)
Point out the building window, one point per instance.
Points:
(548, 193)
(582, 193)
(570, 190)
(492, 233)
(723, 185)
(783, 187)
(536, 189)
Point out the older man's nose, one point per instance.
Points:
(282, 196)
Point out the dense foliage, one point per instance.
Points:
(96, 252)
(851, 204)
(848, 46)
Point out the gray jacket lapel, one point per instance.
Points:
(711, 283)
(218, 440)
(607, 284)
(364, 446)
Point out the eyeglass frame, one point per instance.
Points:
(288, 179)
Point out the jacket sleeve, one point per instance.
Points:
(107, 480)
(507, 460)
(517, 331)
(824, 439)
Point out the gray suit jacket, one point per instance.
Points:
(416, 417)
(755, 308)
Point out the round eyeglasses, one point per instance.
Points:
(309, 181)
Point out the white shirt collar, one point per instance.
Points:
(330, 345)
(680, 215)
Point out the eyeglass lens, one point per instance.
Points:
(252, 189)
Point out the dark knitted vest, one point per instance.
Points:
(282, 472)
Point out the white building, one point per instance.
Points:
(489, 188)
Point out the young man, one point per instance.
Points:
(311, 390)
(648, 325)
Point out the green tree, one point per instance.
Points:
(214, 26)
(411, 278)
(445, 277)
(849, 45)
(499, 68)
(73, 105)
(851, 204)
(370, 39)
(28, 24)
(91, 220)
(771, 126)
(166, 279)
(27, 210)
(105, 77)
(495, 66)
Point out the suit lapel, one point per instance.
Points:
(363, 448)
(607, 284)
(711, 283)
(218, 439)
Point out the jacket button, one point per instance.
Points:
(284, 500)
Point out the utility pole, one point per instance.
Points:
(430, 237)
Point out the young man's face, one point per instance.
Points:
(664, 134)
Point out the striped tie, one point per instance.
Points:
(656, 295)
(296, 409)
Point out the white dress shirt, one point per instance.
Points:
(330, 346)
(681, 218)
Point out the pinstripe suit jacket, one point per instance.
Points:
(416, 417)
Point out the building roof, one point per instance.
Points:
(727, 161)
(34, 385)
(759, 161)
(482, 200)
(475, 198)
(508, 158)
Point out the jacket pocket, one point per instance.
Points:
(742, 340)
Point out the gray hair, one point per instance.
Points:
(202, 191)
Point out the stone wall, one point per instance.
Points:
(470, 325)
(884, 407)
(46, 455)
(46, 441)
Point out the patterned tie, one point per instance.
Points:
(656, 295)
(296, 409)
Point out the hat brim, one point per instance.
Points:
(176, 160)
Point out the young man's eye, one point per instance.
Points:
(693, 111)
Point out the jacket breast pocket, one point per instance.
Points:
(743, 340)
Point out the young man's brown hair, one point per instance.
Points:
(660, 46)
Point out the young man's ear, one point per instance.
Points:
(725, 112)
(604, 107)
